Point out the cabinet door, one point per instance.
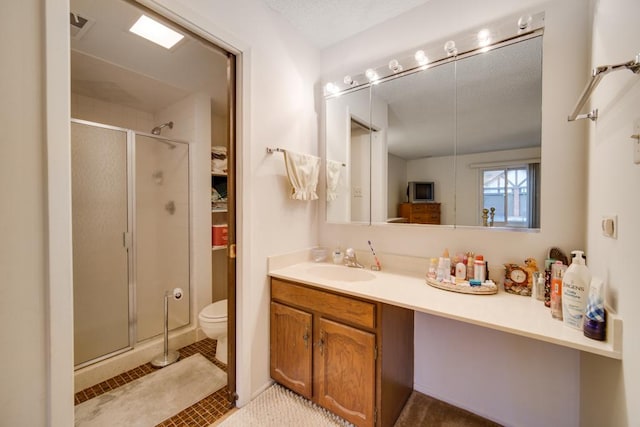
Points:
(291, 348)
(345, 371)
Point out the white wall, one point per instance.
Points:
(280, 73)
(565, 61)
(396, 184)
(440, 170)
(610, 388)
(23, 260)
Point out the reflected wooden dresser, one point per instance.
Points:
(420, 213)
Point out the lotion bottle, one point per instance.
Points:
(575, 291)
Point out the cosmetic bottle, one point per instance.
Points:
(479, 272)
(557, 273)
(595, 316)
(575, 290)
(433, 268)
(470, 266)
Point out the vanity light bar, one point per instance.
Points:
(467, 43)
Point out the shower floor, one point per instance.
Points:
(203, 413)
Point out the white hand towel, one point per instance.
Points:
(303, 171)
(333, 177)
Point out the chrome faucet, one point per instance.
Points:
(350, 259)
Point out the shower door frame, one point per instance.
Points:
(126, 240)
(129, 237)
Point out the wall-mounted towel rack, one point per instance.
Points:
(274, 150)
(596, 75)
(280, 150)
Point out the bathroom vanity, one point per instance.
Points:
(350, 355)
(330, 322)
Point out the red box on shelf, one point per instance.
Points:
(219, 235)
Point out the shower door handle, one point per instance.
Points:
(126, 240)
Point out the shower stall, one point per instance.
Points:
(130, 219)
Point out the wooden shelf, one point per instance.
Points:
(218, 248)
(218, 174)
(219, 210)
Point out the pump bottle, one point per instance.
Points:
(575, 290)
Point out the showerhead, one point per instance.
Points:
(156, 130)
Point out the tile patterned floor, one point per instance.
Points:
(203, 413)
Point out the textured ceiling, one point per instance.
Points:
(325, 22)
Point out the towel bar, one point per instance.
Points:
(596, 75)
(280, 150)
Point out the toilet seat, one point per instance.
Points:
(216, 311)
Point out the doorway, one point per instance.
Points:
(122, 80)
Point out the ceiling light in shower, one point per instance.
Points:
(156, 32)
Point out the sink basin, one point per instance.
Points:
(340, 273)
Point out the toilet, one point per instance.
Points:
(213, 322)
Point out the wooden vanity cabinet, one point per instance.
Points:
(351, 356)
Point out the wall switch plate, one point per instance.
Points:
(609, 226)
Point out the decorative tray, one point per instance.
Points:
(486, 288)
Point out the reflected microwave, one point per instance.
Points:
(421, 192)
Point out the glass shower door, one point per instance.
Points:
(100, 221)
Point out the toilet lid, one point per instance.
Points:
(217, 310)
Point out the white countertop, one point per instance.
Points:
(505, 312)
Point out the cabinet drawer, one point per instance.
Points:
(339, 307)
(426, 218)
(431, 208)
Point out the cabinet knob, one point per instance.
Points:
(305, 337)
(321, 343)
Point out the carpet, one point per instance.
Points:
(422, 410)
(279, 407)
(153, 398)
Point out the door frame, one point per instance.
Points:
(58, 292)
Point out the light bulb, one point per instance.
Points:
(450, 48)
(331, 88)
(421, 58)
(395, 66)
(524, 22)
(371, 74)
(484, 37)
(347, 80)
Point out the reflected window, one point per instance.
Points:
(510, 191)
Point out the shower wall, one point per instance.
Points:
(162, 233)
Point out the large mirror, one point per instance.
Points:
(457, 143)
